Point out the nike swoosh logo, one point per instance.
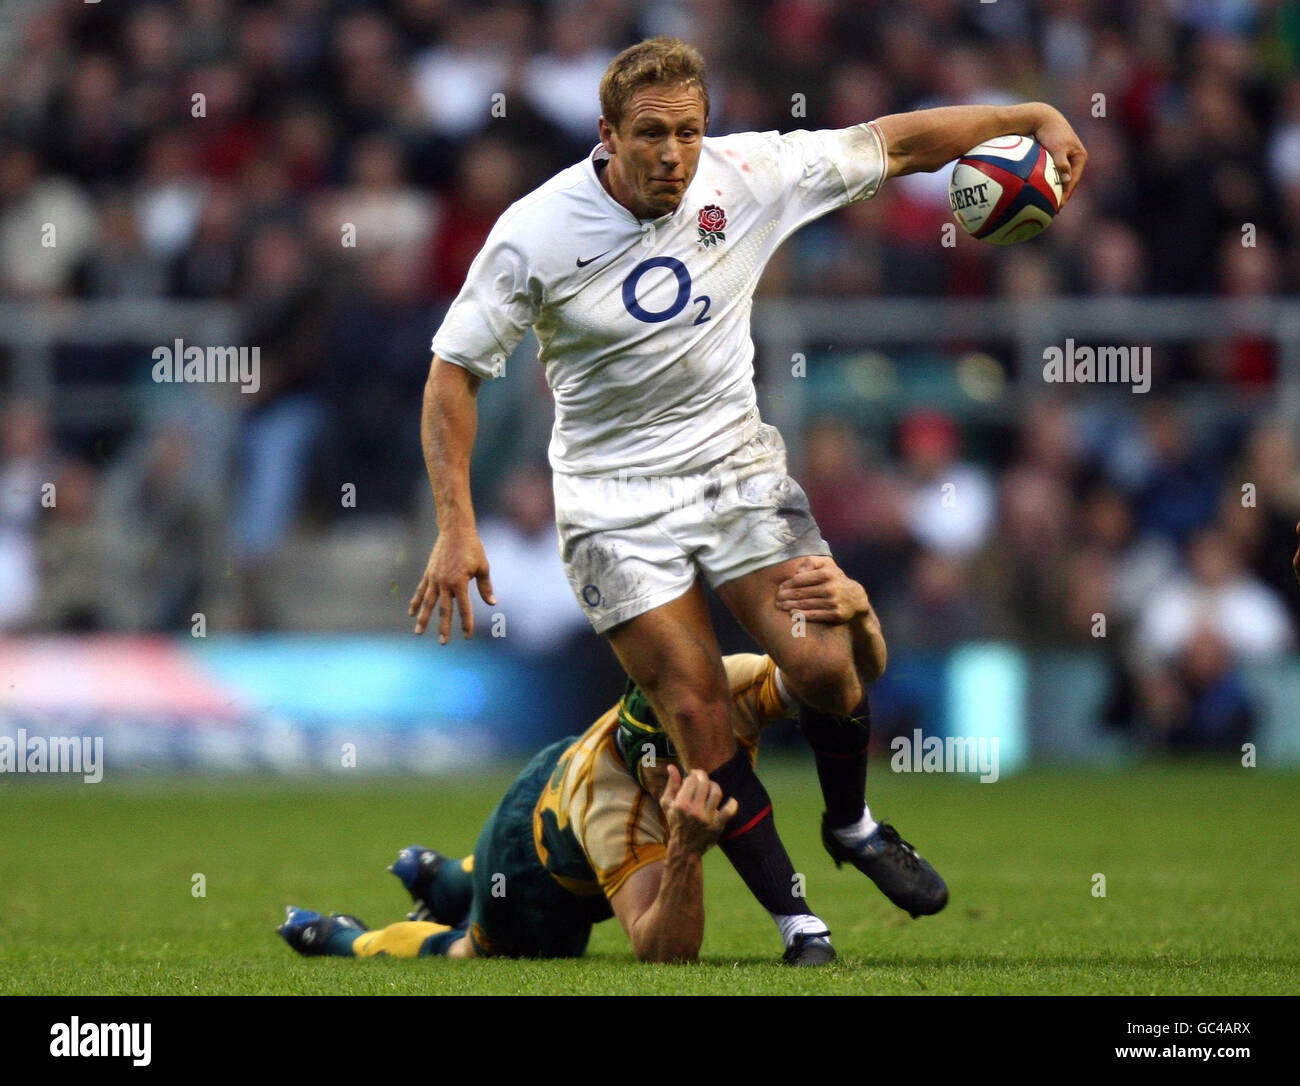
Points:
(584, 263)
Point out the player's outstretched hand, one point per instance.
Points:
(457, 557)
(1067, 150)
(694, 809)
(822, 592)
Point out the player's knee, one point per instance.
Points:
(829, 684)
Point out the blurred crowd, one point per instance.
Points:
(1157, 543)
(180, 146)
(331, 167)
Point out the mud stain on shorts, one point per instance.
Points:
(599, 574)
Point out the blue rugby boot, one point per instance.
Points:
(417, 867)
(310, 933)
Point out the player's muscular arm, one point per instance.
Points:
(448, 424)
(661, 906)
(822, 592)
(924, 140)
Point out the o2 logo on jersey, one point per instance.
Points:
(591, 595)
(655, 316)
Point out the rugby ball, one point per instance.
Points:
(1005, 191)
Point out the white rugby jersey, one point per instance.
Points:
(644, 325)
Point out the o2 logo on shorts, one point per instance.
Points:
(655, 316)
(591, 595)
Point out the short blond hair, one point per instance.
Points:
(658, 61)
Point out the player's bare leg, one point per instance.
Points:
(671, 652)
(815, 659)
(821, 671)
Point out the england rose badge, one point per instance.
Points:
(713, 220)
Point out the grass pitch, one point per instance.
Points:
(1201, 887)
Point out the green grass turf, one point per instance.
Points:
(1202, 888)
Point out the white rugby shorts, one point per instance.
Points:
(631, 542)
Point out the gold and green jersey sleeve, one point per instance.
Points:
(757, 696)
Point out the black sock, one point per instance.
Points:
(839, 746)
(751, 842)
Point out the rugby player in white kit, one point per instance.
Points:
(636, 268)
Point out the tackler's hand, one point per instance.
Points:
(822, 592)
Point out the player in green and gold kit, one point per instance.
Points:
(604, 825)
